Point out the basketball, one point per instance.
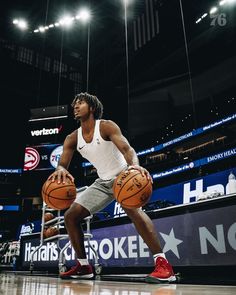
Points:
(50, 232)
(58, 196)
(131, 189)
(48, 216)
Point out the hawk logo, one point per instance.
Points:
(31, 159)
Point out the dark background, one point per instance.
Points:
(166, 77)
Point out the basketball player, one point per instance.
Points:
(103, 145)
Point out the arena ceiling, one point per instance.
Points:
(159, 71)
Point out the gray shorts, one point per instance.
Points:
(97, 196)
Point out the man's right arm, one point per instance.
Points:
(69, 148)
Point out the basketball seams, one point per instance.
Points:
(58, 188)
(48, 186)
(50, 197)
(132, 176)
(49, 183)
(44, 192)
(49, 201)
(138, 192)
(57, 201)
(60, 198)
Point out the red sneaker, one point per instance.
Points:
(78, 272)
(163, 272)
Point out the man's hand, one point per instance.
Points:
(143, 171)
(61, 175)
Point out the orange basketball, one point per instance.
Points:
(51, 231)
(131, 189)
(58, 196)
(48, 216)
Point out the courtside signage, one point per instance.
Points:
(214, 242)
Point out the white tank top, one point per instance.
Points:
(102, 154)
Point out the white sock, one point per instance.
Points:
(155, 256)
(83, 261)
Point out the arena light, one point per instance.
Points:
(84, 15)
(201, 18)
(128, 2)
(41, 29)
(204, 15)
(198, 20)
(222, 2)
(213, 10)
(66, 21)
(20, 23)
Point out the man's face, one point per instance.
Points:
(81, 109)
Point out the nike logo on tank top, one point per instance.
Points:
(102, 154)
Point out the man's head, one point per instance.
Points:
(92, 101)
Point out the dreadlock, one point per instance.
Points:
(92, 101)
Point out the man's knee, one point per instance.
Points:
(75, 214)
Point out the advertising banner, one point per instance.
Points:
(201, 162)
(188, 135)
(48, 131)
(42, 157)
(206, 237)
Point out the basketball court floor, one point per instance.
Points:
(23, 284)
